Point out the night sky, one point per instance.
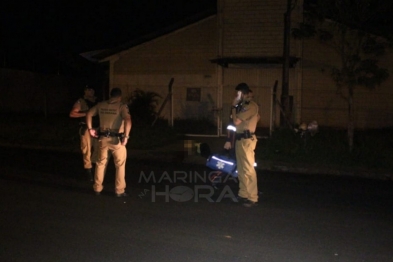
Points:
(36, 35)
(48, 36)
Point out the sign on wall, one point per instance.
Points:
(193, 94)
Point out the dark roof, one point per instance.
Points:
(254, 61)
(148, 37)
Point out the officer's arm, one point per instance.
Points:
(247, 114)
(89, 117)
(125, 113)
(76, 111)
(127, 129)
(235, 105)
(127, 125)
(235, 118)
(89, 122)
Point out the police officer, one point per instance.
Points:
(245, 121)
(88, 145)
(230, 144)
(113, 134)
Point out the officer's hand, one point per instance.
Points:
(124, 141)
(227, 145)
(93, 133)
(235, 101)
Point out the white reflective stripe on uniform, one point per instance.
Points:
(231, 127)
(219, 159)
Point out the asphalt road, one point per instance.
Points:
(49, 213)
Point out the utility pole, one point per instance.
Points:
(286, 110)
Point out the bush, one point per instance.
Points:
(142, 106)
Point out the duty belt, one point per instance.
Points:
(240, 136)
(109, 134)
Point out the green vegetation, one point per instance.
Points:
(142, 106)
(352, 31)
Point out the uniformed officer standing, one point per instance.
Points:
(246, 121)
(88, 145)
(113, 134)
(230, 143)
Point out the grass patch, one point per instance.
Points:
(329, 147)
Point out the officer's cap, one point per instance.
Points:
(87, 87)
(243, 87)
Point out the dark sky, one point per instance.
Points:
(35, 34)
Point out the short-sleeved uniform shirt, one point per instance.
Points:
(249, 116)
(85, 104)
(111, 113)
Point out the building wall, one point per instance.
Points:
(261, 81)
(247, 28)
(184, 56)
(254, 27)
(322, 102)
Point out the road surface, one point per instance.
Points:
(49, 213)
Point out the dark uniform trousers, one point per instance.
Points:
(119, 153)
(245, 154)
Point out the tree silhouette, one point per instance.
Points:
(351, 29)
